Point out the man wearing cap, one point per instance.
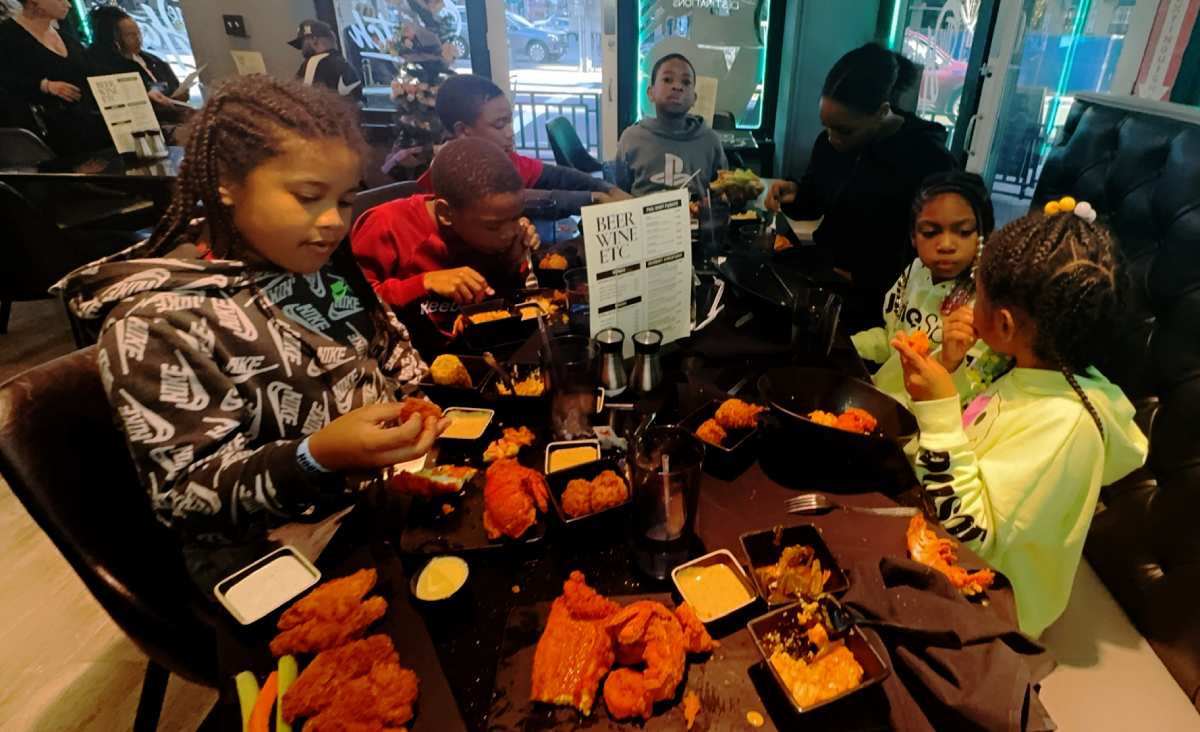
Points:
(323, 63)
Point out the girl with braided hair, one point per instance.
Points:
(1017, 474)
(951, 217)
(248, 361)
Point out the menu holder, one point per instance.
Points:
(639, 272)
(249, 62)
(125, 107)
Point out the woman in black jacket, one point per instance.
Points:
(865, 170)
(49, 69)
(117, 49)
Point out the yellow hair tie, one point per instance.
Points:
(1067, 204)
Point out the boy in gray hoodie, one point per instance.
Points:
(662, 152)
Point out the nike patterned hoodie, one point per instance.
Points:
(216, 372)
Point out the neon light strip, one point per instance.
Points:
(1085, 7)
(895, 23)
(81, 9)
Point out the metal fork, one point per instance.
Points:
(531, 280)
(819, 503)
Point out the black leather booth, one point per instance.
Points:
(1138, 163)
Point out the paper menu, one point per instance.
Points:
(125, 107)
(249, 62)
(706, 98)
(639, 255)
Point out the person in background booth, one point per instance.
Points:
(323, 63)
(864, 172)
(117, 49)
(473, 106)
(49, 68)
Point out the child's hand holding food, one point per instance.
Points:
(925, 377)
(367, 438)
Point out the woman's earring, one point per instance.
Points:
(978, 257)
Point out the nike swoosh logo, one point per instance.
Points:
(343, 89)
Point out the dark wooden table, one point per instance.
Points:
(469, 636)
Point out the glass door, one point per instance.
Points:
(948, 39)
(554, 52)
(1051, 50)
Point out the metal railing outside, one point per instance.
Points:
(534, 106)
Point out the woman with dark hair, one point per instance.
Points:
(117, 49)
(865, 170)
(49, 69)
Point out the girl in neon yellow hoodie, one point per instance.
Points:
(1017, 473)
(952, 214)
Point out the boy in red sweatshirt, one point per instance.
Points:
(473, 106)
(425, 255)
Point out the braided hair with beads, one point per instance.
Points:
(1059, 269)
(246, 122)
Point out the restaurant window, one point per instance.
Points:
(163, 31)
(726, 41)
(373, 35)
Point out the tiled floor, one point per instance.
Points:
(65, 665)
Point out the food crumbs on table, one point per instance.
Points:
(691, 708)
(516, 589)
(447, 509)
(755, 719)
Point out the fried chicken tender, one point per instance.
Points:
(928, 548)
(851, 420)
(857, 420)
(512, 496)
(423, 407)
(695, 636)
(735, 414)
(608, 490)
(823, 418)
(918, 340)
(577, 498)
(381, 700)
(448, 370)
(553, 260)
(711, 432)
(644, 632)
(329, 616)
(319, 682)
(509, 444)
(575, 651)
(582, 497)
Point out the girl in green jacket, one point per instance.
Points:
(951, 217)
(1016, 475)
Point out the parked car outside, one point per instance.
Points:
(534, 43)
(944, 77)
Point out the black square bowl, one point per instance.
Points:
(763, 549)
(494, 333)
(778, 623)
(559, 479)
(731, 459)
(458, 396)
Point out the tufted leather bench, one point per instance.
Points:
(1138, 163)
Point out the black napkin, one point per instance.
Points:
(955, 665)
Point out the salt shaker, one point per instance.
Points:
(610, 367)
(647, 369)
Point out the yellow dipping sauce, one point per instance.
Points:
(441, 578)
(569, 457)
(466, 425)
(712, 591)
